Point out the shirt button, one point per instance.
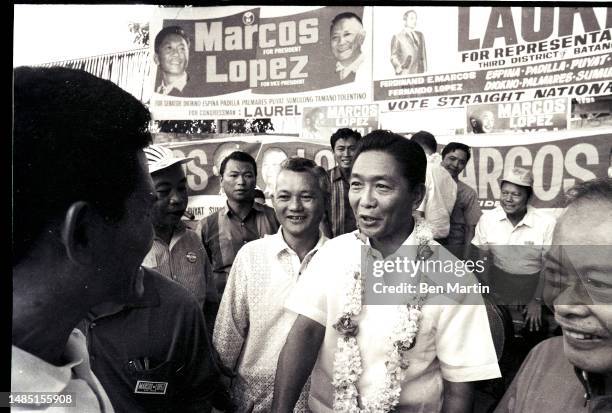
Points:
(92, 358)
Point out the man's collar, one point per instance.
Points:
(179, 230)
(335, 174)
(33, 374)
(346, 70)
(226, 210)
(279, 244)
(528, 219)
(178, 84)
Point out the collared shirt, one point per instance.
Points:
(184, 261)
(178, 85)
(516, 249)
(453, 342)
(342, 217)
(252, 323)
(224, 233)
(153, 353)
(466, 212)
(345, 71)
(547, 382)
(74, 379)
(440, 196)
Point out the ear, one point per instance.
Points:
(418, 191)
(156, 59)
(76, 233)
(361, 37)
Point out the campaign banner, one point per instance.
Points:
(526, 116)
(558, 160)
(240, 61)
(321, 122)
(498, 54)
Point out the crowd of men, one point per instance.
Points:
(119, 304)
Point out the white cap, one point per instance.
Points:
(160, 157)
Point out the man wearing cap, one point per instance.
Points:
(517, 236)
(172, 57)
(177, 251)
(573, 373)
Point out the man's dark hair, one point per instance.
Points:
(75, 138)
(456, 146)
(598, 190)
(344, 133)
(426, 139)
(408, 154)
(345, 15)
(165, 32)
(239, 156)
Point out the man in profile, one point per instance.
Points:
(408, 55)
(346, 38)
(241, 220)
(172, 58)
(441, 194)
(80, 229)
(573, 373)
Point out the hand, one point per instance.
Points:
(533, 316)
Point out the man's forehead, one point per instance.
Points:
(296, 181)
(173, 38)
(239, 166)
(346, 141)
(594, 215)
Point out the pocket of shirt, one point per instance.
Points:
(153, 387)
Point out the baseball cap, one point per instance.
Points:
(160, 157)
(518, 176)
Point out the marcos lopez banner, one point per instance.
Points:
(240, 52)
(559, 160)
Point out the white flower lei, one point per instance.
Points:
(347, 361)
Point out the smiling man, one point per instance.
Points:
(252, 323)
(579, 286)
(172, 58)
(346, 38)
(177, 251)
(343, 143)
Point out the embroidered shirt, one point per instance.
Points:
(252, 323)
(75, 379)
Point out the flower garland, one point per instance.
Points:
(347, 361)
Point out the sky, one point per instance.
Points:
(48, 33)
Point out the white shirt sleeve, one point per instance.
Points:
(464, 344)
(480, 237)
